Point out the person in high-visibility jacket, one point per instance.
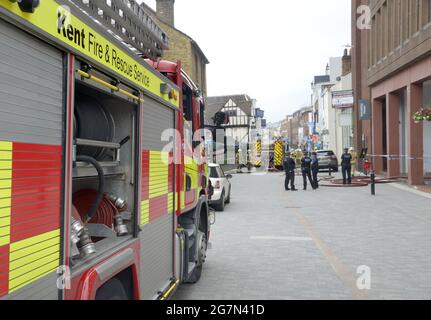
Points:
(297, 155)
(354, 160)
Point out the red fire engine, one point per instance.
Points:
(93, 203)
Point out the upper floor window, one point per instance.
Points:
(232, 112)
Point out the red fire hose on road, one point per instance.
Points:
(362, 181)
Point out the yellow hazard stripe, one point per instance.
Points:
(159, 174)
(145, 212)
(158, 192)
(44, 252)
(5, 174)
(5, 155)
(31, 259)
(4, 212)
(5, 165)
(34, 240)
(168, 292)
(5, 202)
(5, 146)
(4, 222)
(4, 236)
(170, 202)
(183, 199)
(159, 178)
(32, 263)
(15, 284)
(5, 191)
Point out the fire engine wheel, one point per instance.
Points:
(202, 254)
(112, 290)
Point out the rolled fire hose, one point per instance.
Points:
(100, 190)
(92, 122)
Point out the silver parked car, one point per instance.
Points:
(327, 160)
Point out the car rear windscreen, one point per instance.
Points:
(325, 153)
(213, 172)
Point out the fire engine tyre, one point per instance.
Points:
(112, 290)
(202, 252)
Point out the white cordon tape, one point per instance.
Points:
(397, 157)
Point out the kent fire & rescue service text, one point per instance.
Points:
(103, 52)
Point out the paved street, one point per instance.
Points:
(272, 244)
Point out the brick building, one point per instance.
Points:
(391, 64)
(284, 127)
(181, 46)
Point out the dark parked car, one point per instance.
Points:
(327, 160)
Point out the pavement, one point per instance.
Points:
(333, 243)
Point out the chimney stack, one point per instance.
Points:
(346, 63)
(165, 11)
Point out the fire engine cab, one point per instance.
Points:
(97, 199)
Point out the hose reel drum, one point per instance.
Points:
(93, 122)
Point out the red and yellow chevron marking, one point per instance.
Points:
(157, 185)
(30, 192)
(257, 154)
(278, 153)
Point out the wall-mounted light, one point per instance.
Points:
(27, 5)
(165, 88)
(173, 95)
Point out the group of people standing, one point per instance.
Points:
(309, 169)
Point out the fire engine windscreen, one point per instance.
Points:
(92, 122)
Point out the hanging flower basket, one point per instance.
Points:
(423, 114)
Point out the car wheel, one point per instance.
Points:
(221, 206)
(228, 197)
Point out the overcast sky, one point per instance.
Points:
(268, 49)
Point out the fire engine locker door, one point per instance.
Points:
(157, 207)
(31, 131)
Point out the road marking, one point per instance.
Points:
(281, 238)
(340, 269)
